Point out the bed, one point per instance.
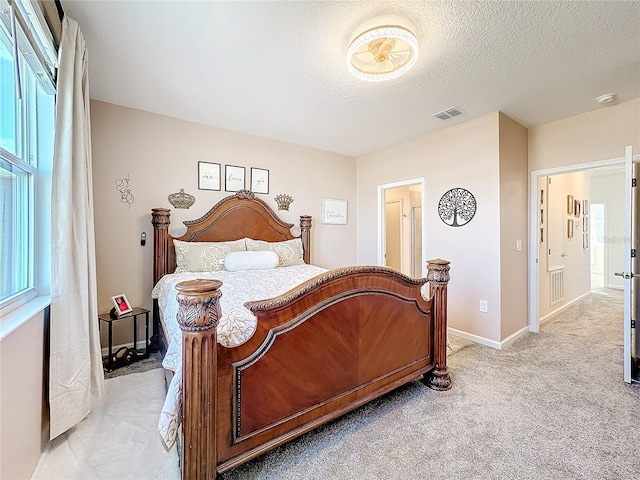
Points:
(322, 348)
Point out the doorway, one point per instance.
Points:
(540, 255)
(401, 240)
(602, 244)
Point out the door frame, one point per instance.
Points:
(534, 231)
(381, 220)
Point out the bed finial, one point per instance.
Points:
(438, 278)
(305, 234)
(198, 316)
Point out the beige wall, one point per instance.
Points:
(577, 278)
(513, 226)
(160, 155)
(21, 383)
(598, 135)
(465, 155)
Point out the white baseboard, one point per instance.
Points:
(114, 349)
(616, 287)
(474, 338)
(487, 342)
(514, 336)
(563, 307)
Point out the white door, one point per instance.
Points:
(630, 249)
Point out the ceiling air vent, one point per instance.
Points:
(449, 113)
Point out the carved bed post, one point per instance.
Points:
(198, 315)
(305, 233)
(438, 278)
(160, 221)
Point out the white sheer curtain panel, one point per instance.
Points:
(76, 375)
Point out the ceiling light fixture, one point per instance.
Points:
(382, 53)
(606, 98)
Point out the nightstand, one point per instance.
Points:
(135, 313)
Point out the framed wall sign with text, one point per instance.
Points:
(233, 178)
(208, 176)
(259, 180)
(334, 211)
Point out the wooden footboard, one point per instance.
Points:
(320, 350)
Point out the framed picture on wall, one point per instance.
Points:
(233, 178)
(570, 204)
(585, 207)
(585, 240)
(259, 180)
(334, 211)
(570, 228)
(585, 224)
(208, 176)
(576, 208)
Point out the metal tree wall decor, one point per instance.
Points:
(457, 207)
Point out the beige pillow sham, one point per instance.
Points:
(289, 252)
(204, 256)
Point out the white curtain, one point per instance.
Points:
(76, 375)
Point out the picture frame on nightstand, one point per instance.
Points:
(122, 304)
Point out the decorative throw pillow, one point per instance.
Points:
(204, 256)
(257, 260)
(289, 252)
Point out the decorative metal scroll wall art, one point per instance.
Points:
(457, 207)
(123, 186)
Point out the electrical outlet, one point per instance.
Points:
(484, 306)
(519, 245)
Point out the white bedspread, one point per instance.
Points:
(235, 327)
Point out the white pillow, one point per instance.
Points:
(257, 260)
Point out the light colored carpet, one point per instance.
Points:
(118, 440)
(551, 406)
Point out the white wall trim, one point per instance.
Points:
(548, 316)
(534, 322)
(616, 287)
(487, 342)
(381, 229)
(474, 338)
(513, 337)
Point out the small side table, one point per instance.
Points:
(137, 311)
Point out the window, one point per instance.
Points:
(26, 152)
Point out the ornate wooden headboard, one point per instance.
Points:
(234, 217)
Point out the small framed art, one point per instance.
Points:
(122, 304)
(233, 178)
(334, 211)
(208, 176)
(570, 204)
(585, 207)
(585, 240)
(570, 228)
(259, 180)
(576, 208)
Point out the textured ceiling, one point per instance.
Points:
(278, 69)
